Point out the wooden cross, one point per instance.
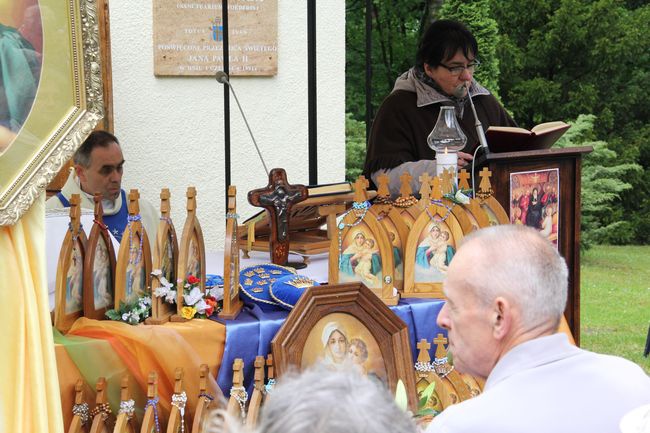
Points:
(269, 366)
(360, 186)
(423, 354)
(237, 373)
(436, 190)
(191, 201)
(440, 342)
(203, 379)
(485, 188)
(134, 205)
(178, 380)
(75, 213)
(99, 209)
(382, 187)
(447, 180)
(152, 386)
(259, 373)
(425, 189)
(124, 387)
(405, 185)
(463, 179)
(277, 198)
(165, 205)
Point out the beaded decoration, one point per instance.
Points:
(132, 219)
(240, 394)
(75, 236)
(81, 410)
(179, 400)
(101, 408)
(360, 209)
(436, 219)
(168, 220)
(269, 386)
(154, 403)
(127, 407)
(423, 367)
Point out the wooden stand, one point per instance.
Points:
(203, 403)
(69, 271)
(232, 304)
(81, 415)
(258, 393)
(270, 375)
(568, 162)
(125, 420)
(133, 269)
(165, 258)
(177, 422)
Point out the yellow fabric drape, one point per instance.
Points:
(29, 387)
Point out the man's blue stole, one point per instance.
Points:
(115, 223)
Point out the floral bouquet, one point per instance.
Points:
(131, 312)
(196, 304)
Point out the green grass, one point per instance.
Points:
(615, 301)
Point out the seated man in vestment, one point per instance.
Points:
(98, 166)
(506, 291)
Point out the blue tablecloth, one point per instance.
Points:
(251, 333)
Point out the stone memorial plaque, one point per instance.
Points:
(188, 37)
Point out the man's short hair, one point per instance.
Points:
(442, 40)
(95, 139)
(516, 262)
(321, 400)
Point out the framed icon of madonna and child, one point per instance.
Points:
(346, 326)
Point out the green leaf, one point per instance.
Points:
(401, 400)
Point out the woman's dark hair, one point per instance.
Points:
(95, 139)
(441, 42)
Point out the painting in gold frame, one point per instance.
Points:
(67, 106)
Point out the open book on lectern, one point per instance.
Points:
(512, 139)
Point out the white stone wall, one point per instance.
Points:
(171, 128)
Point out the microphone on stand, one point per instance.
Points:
(222, 78)
(458, 92)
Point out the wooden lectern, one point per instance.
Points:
(567, 162)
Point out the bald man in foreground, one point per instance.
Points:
(506, 292)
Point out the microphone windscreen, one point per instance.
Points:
(221, 77)
(460, 91)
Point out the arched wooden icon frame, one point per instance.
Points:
(177, 421)
(98, 233)
(474, 210)
(63, 321)
(134, 231)
(494, 211)
(459, 225)
(379, 233)
(232, 304)
(356, 300)
(125, 423)
(201, 415)
(161, 311)
(387, 215)
(150, 421)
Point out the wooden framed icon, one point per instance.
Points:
(165, 259)
(70, 271)
(99, 268)
(329, 320)
(133, 268)
(232, 304)
(362, 250)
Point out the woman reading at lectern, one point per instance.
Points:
(445, 63)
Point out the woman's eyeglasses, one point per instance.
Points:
(457, 70)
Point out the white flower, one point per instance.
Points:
(125, 317)
(193, 297)
(216, 292)
(156, 273)
(161, 291)
(170, 298)
(201, 306)
(462, 198)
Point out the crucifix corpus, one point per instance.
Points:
(277, 198)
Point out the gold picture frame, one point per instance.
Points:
(67, 106)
